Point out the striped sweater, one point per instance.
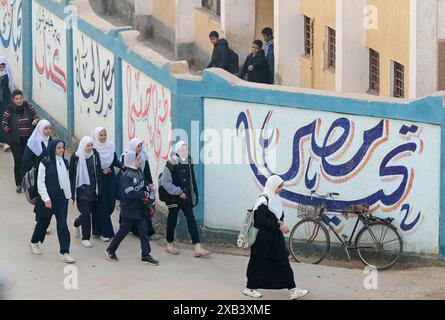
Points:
(17, 122)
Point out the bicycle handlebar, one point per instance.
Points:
(327, 195)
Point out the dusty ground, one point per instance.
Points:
(221, 276)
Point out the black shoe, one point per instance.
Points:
(18, 189)
(150, 260)
(111, 256)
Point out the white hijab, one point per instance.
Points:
(82, 176)
(7, 71)
(64, 179)
(130, 159)
(275, 203)
(178, 148)
(37, 137)
(106, 150)
(132, 146)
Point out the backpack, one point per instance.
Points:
(234, 62)
(164, 196)
(29, 183)
(248, 233)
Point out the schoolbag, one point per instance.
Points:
(164, 196)
(234, 62)
(248, 233)
(29, 183)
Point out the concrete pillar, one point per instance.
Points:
(143, 7)
(238, 25)
(423, 56)
(289, 41)
(352, 56)
(185, 27)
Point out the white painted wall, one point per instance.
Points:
(423, 48)
(441, 19)
(233, 188)
(11, 38)
(94, 102)
(289, 41)
(143, 7)
(238, 25)
(147, 115)
(49, 63)
(185, 22)
(352, 56)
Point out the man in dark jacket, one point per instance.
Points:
(269, 52)
(256, 66)
(221, 52)
(19, 121)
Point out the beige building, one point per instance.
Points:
(387, 48)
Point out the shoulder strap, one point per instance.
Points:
(45, 161)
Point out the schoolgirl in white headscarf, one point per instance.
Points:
(38, 136)
(106, 150)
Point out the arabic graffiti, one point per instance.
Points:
(333, 162)
(148, 114)
(11, 24)
(94, 77)
(47, 53)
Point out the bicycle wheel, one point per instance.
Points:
(309, 241)
(379, 245)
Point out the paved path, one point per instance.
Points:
(24, 276)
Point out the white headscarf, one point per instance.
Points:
(132, 146)
(106, 150)
(130, 159)
(64, 179)
(82, 176)
(7, 71)
(275, 203)
(37, 137)
(178, 148)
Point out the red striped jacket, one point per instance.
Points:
(17, 121)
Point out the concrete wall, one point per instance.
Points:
(205, 22)
(49, 62)
(94, 86)
(423, 48)
(288, 20)
(238, 25)
(391, 39)
(264, 16)
(11, 36)
(367, 148)
(314, 73)
(386, 171)
(352, 70)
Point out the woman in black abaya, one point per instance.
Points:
(269, 266)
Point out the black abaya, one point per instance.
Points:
(269, 266)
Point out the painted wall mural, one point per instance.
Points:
(93, 86)
(11, 36)
(391, 165)
(49, 63)
(147, 115)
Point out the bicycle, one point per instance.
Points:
(310, 242)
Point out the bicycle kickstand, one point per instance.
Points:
(347, 253)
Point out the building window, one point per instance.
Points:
(331, 48)
(399, 80)
(308, 36)
(212, 5)
(374, 72)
